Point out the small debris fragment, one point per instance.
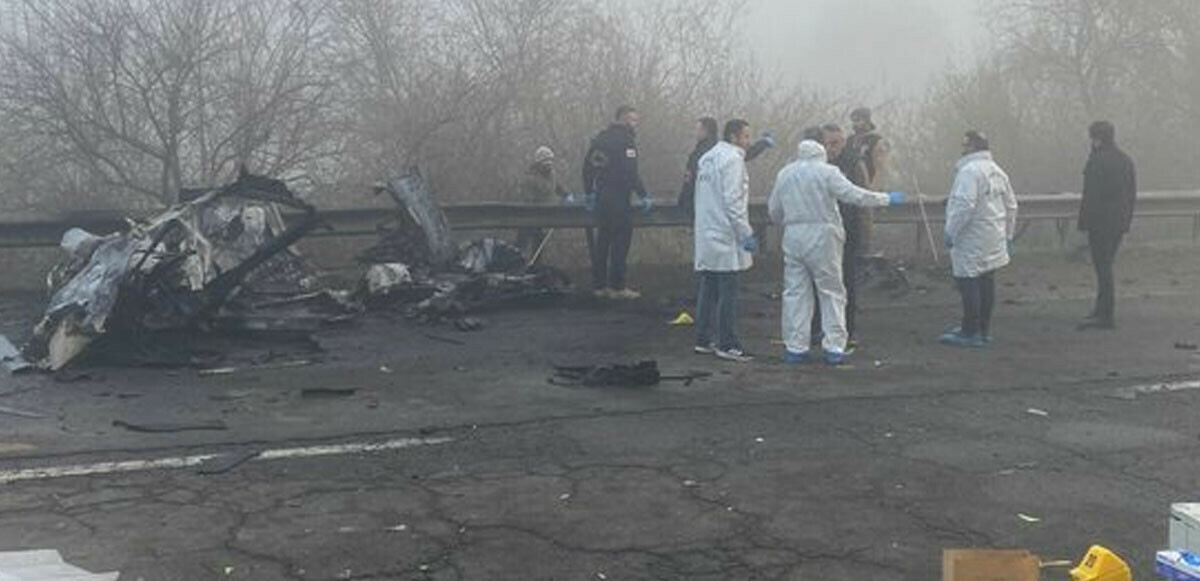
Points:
(226, 462)
(690, 484)
(385, 369)
(1187, 346)
(759, 440)
(170, 427)
(32, 415)
(601, 576)
(228, 570)
(1038, 412)
(397, 529)
(564, 496)
(217, 371)
(327, 392)
(468, 324)
(1028, 519)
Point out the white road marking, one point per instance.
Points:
(51, 472)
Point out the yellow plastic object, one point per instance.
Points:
(1101, 564)
(683, 320)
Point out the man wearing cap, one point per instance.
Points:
(540, 186)
(864, 161)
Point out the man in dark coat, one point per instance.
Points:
(610, 175)
(1109, 194)
(706, 138)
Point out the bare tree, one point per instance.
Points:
(146, 96)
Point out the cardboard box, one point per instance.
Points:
(989, 565)
(1184, 527)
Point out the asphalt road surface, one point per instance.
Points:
(448, 455)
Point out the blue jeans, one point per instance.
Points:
(716, 309)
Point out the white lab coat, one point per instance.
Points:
(804, 202)
(981, 216)
(722, 210)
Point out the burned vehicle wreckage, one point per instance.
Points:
(224, 261)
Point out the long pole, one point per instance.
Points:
(925, 220)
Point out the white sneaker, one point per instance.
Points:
(735, 355)
(705, 349)
(625, 294)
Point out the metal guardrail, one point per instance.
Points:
(46, 229)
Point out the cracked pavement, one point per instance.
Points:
(760, 472)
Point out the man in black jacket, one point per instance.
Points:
(610, 175)
(706, 138)
(1109, 193)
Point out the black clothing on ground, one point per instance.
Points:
(979, 300)
(687, 195)
(1104, 247)
(610, 170)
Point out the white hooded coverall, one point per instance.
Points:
(981, 216)
(804, 202)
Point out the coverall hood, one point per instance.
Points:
(810, 150)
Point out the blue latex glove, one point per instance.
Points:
(1011, 246)
(647, 204)
(896, 198)
(750, 245)
(589, 201)
(768, 137)
(948, 240)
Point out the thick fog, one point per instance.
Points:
(333, 94)
(874, 47)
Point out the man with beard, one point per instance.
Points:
(610, 176)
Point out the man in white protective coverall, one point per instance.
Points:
(981, 217)
(804, 202)
(725, 241)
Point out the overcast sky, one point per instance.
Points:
(877, 46)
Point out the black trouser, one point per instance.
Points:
(614, 224)
(1104, 247)
(850, 262)
(979, 300)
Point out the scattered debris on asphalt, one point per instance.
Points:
(269, 367)
(32, 415)
(416, 268)
(1131, 393)
(171, 427)
(221, 260)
